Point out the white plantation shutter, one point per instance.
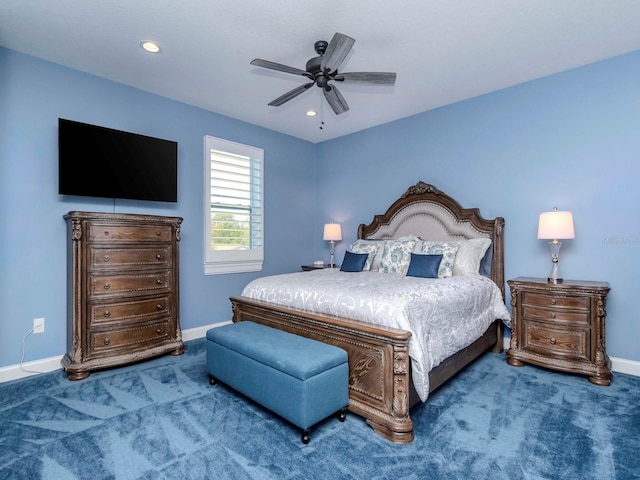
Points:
(234, 216)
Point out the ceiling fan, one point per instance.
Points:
(324, 69)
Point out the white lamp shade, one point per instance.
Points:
(332, 231)
(556, 225)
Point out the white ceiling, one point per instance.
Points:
(443, 51)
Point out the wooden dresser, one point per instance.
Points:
(560, 326)
(123, 298)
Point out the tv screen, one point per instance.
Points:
(96, 161)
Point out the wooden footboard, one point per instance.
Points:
(378, 361)
(380, 383)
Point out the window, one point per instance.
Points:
(234, 214)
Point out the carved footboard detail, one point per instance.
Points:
(379, 372)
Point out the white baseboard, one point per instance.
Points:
(621, 365)
(45, 365)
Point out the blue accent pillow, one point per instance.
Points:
(353, 262)
(424, 265)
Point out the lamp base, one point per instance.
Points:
(555, 250)
(331, 252)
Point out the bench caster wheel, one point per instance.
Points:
(305, 435)
(342, 414)
(212, 380)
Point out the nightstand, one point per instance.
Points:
(560, 326)
(308, 268)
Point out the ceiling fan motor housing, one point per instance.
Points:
(313, 65)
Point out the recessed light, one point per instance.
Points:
(311, 113)
(150, 46)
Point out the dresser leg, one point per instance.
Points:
(177, 351)
(78, 376)
(515, 362)
(602, 381)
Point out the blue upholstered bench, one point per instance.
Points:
(302, 380)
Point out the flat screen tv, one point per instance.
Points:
(96, 161)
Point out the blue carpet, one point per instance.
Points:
(161, 419)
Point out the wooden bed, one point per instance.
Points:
(380, 385)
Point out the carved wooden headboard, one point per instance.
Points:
(428, 213)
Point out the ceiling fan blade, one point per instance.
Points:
(289, 95)
(336, 52)
(376, 78)
(336, 100)
(279, 67)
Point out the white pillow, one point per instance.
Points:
(396, 256)
(448, 251)
(371, 248)
(470, 254)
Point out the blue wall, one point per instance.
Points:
(571, 140)
(33, 94)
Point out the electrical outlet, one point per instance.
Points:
(38, 325)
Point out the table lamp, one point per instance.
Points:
(332, 233)
(555, 226)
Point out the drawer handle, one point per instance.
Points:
(107, 286)
(158, 281)
(107, 313)
(159, 306)
(158, 233)
(553, 301)
(106, 258)
(106, 232)
(159, 331)
(158, 256)
(552, 341)
(553, 314)
(107, 341)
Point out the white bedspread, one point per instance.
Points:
(444, 315)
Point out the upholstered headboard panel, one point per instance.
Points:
(426, 212)
(429, 221)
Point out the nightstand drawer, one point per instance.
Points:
(572, 344)
(581, 303)
(557, 315)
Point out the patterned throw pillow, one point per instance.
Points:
(370, 248)
(448, 251)
(396, 256)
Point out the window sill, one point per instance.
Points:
(218, 268)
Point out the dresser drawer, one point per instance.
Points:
(554, 301)
(107, 232)
(141, 337)
(567, 344)
(132, 311)
(103, 285)
(557, 315)
(109, 258)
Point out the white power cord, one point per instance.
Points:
(22, 357)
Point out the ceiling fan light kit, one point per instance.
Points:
(324, 69)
